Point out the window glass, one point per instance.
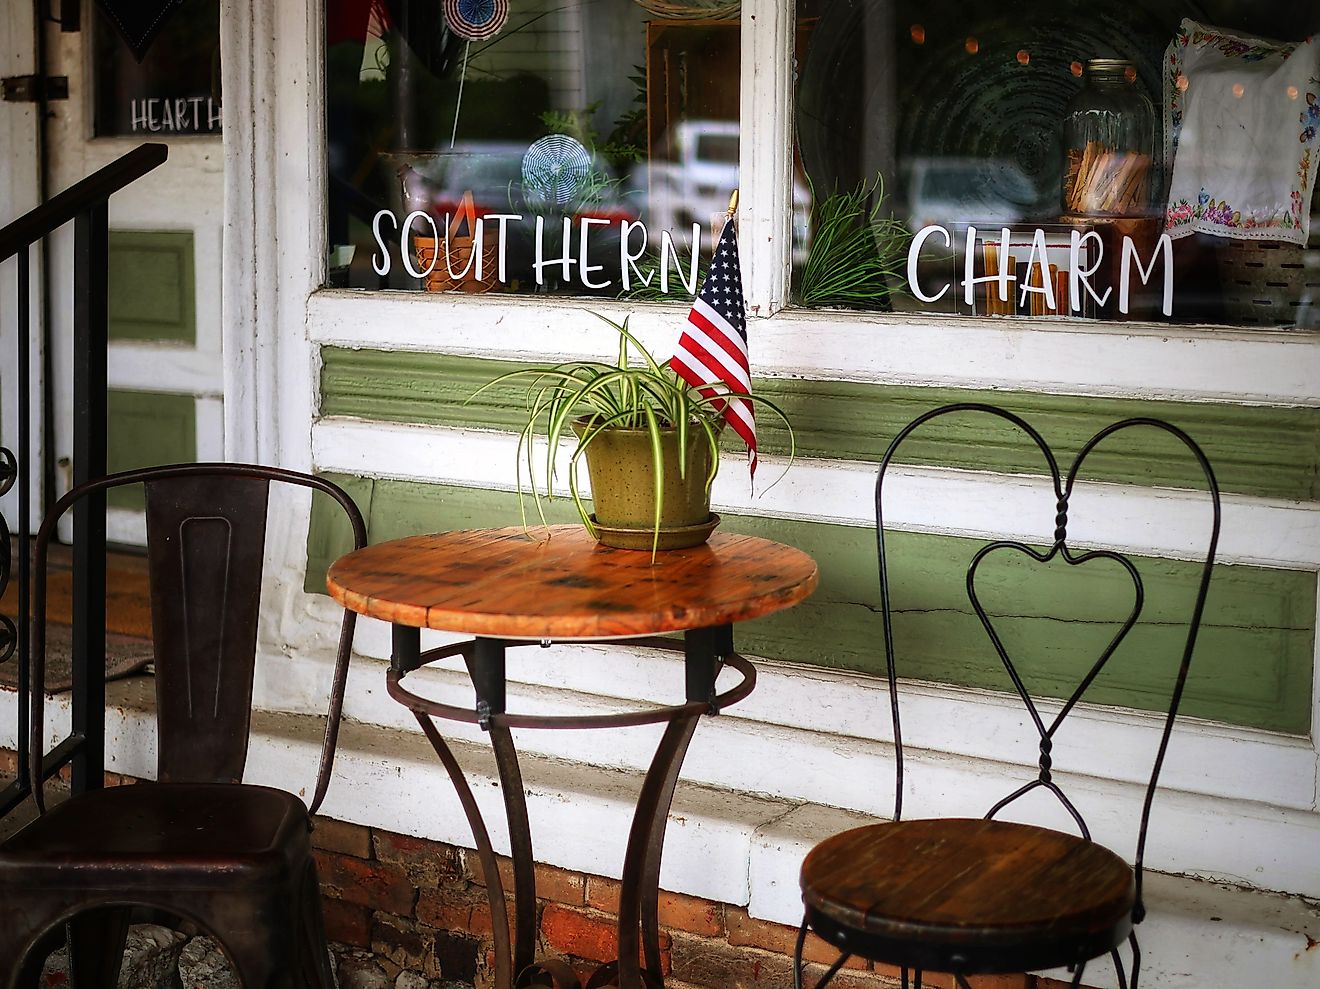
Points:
(542, 146)
(175, 89)
(1114, 159)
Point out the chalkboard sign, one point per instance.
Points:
(175, 90)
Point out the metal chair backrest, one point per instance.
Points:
(1060, 550)
(206, 529)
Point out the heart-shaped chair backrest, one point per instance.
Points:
(1057, 551)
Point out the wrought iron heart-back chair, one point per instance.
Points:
(972, 897)
(198, 844)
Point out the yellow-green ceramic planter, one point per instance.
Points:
(623, 488)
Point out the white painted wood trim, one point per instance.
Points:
(836, 725)
(243, 58)
(765, 167)
(1209, 364)
(1155, 521)
(165, 367)
(275, 223)
(19, 181)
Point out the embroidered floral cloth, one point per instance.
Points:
(1241, 118)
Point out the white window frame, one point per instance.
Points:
(1235, 790)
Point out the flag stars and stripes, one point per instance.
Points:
(712, 352)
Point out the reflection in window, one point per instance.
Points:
(1126, 159)
(544, 146)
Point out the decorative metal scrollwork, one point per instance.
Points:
(8, 470)
(8, 632)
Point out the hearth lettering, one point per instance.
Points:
(182, 115)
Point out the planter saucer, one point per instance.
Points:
(676, 537)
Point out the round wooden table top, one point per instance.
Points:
(505, 583)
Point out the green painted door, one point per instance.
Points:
(165, 369)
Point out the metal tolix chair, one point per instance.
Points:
(985, 896)
(198, 844)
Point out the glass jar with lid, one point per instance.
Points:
(1109, 143)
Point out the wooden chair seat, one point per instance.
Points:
(964, 895)
(209, 833)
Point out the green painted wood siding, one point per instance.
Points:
(1256, 450)
(151, 288)
(145, 429)
(1252, 664)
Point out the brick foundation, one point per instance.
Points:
(408, 905)
(421, 906)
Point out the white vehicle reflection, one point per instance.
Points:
(694, 183)
(950, 191)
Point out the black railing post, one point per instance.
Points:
(90, 321)
(22, 544)
(85, 203)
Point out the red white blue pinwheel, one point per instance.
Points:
(476, 20)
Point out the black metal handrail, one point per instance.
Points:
(86, 204)
(95, 188)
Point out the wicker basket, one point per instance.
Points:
(461, 245)
(715, 10)
(1269, 283)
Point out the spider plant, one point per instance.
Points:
(591, 397)
(857, 254)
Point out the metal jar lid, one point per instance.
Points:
(1110, 66)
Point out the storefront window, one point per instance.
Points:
(1113, 159)
(578, 147)
(173, 90)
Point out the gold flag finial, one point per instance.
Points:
(733, 203)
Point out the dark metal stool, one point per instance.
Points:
(234, 858)
(982, 896)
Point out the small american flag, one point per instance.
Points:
(713, 350)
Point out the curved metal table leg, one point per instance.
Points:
(520, 849)
(485, 853)
(704, 649)
(639, 893)
(638, 924)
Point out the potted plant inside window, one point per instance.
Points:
(651, 443)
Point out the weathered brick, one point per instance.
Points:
(554, 884)
(691, 914)
(463, 911)
(457, 955)
(330, 835)
(347, 923)
(677, 911)
(404, 944)
(745, 931)
(580, 933)
(712, 963)
(8, 762)
(1042, 982)
(368, 884)
(428, 863)
(590, 934)
(853, 979)
(1001, 981)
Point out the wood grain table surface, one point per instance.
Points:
(559, 583)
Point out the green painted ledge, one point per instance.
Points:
(1256, 450)
(1252, 664)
